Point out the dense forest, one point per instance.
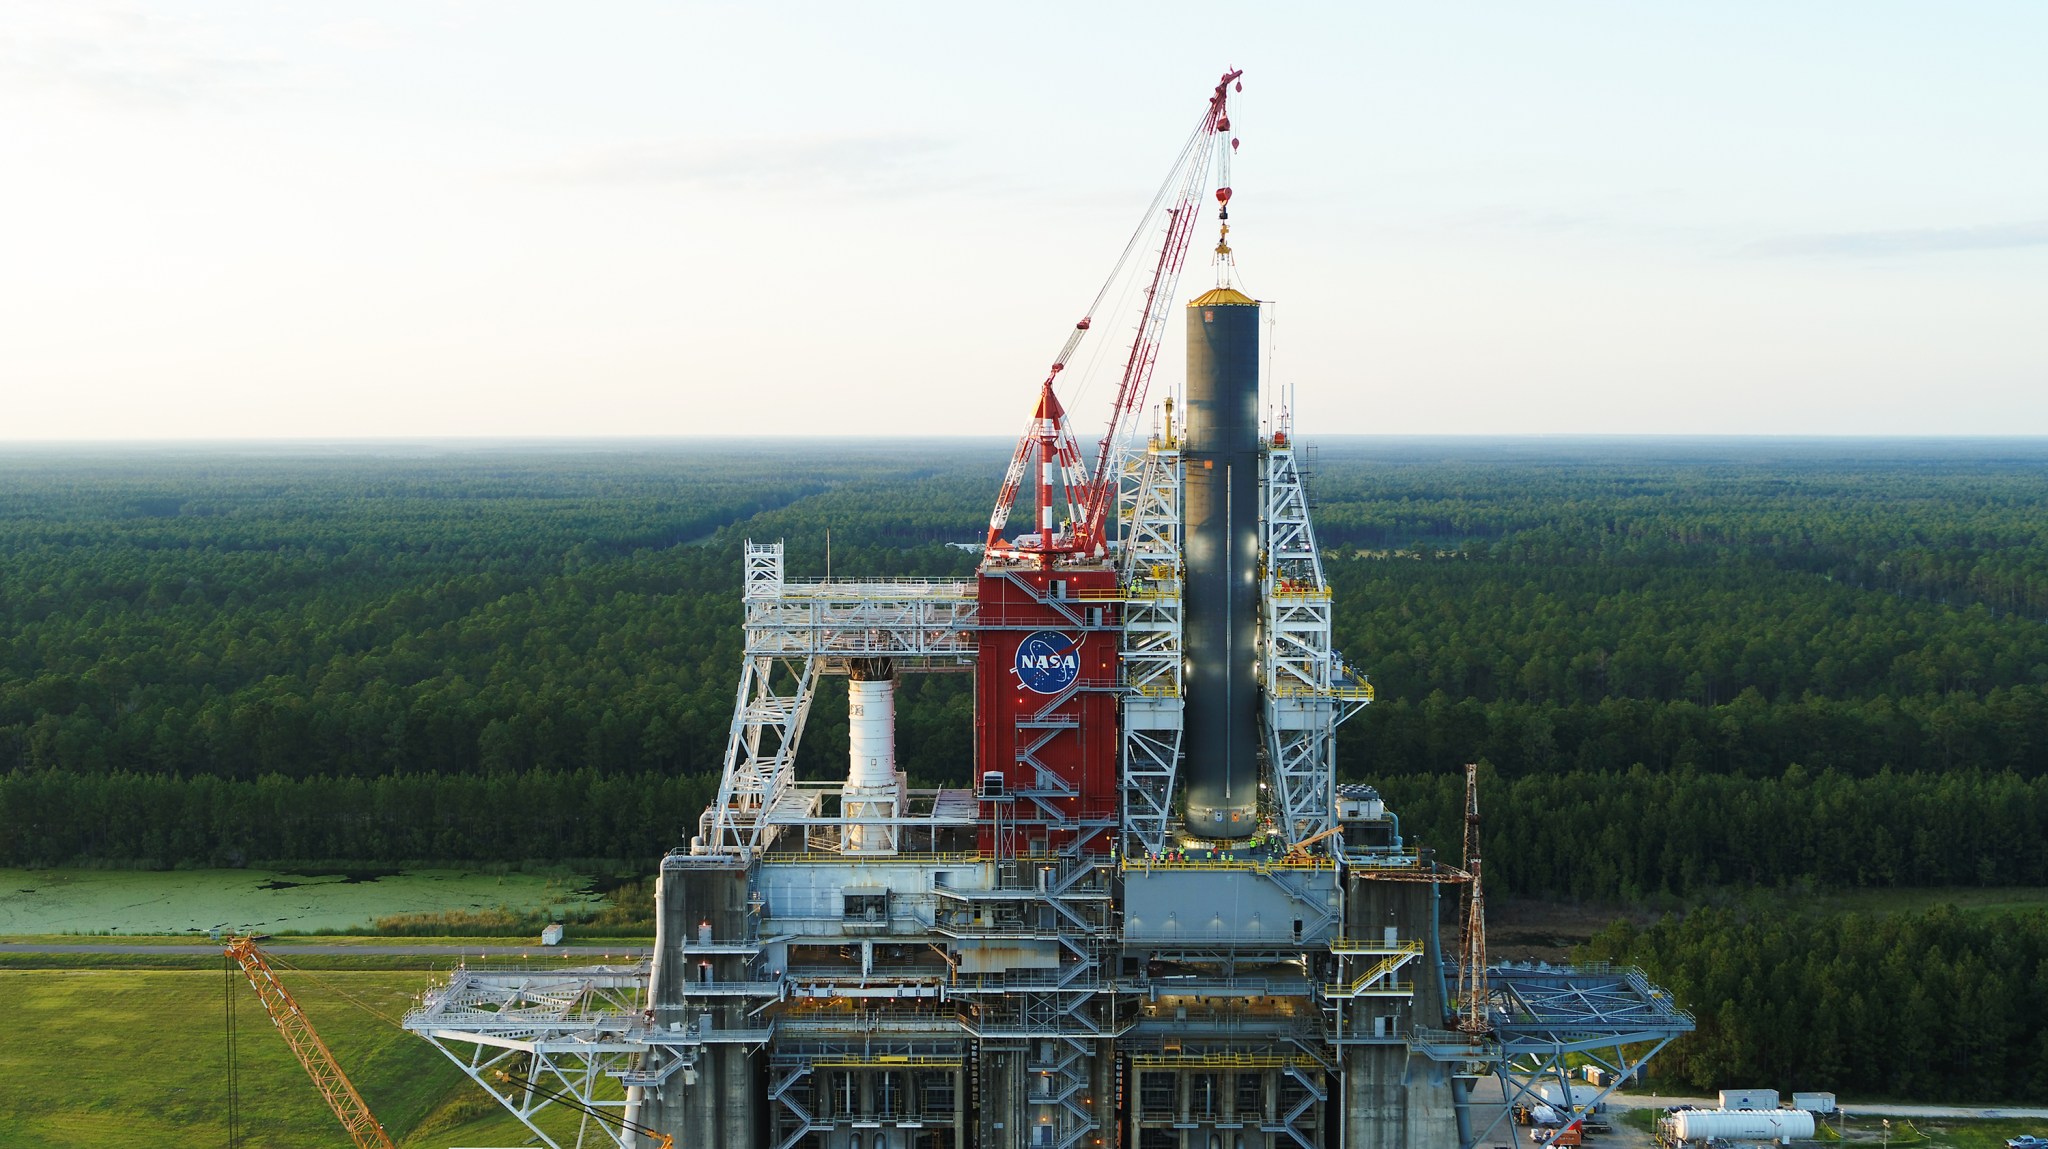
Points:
(1685, 665)
(1935, 1004)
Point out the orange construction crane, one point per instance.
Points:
(298, 1033)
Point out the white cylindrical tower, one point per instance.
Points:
(871, 732)
(871, 790)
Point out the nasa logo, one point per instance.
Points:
(1048, 661)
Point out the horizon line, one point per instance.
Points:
(857, 440)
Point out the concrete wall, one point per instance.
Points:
(723, 1106)
(1390, 1099)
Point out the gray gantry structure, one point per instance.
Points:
(820, 983)
(1154, 921)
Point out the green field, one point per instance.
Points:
(75, 901)
(1969, 899)
(1941, 1132)
(136, 1057)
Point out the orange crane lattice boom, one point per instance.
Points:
(312, 1053)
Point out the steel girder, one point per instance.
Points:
(1609, 1015)
(796, 632)
(581, 1032)
(1308, 690)
(1153, 653)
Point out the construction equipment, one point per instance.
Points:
(1088, 492)
(1472, 988)
(334, 1085)
(1300, 851)
(1074, 952)
(661, 1140)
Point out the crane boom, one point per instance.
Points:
(1088, 494)
(1173, 253)
(334, 1085)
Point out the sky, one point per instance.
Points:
(439, 218)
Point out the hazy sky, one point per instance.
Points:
(363, 219)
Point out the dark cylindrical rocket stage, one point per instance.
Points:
(1220, 742)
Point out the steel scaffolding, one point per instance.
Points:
(1152, 652)
(1309, 690)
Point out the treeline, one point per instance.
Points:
(1936, 1004)
(1526, 631)
(1952, 521)
(1572, 611)
(1634, 835)
(50, 818)
(2001, 729)
(1606, 837)
(496, 614)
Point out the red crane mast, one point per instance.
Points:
(1046, 437)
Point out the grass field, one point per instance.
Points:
(136, 1057)
(1969, 899)
(246, 901)
(1935, 1132)
(1528, 929)
(1945, 1133)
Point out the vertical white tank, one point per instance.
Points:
(871, 731)
(871, 791)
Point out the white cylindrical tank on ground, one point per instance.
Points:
(1780, 1125)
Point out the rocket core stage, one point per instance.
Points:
(1222, 533)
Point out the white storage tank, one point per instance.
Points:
(1749, 1099)
(1814, 1102)
(1780, 1125)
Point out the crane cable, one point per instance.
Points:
(234, 1091)
(1147, 224)
(1137, 375)
(335, 989)
(1185, 173)
(231, 981)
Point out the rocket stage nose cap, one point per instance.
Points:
(1223, 297)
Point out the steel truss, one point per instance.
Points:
(1152, 654)
(1309, 1074)
(1056, 1014)
(1609, 1015)
(796, 632)
(582, 1032)
(793, 1083)
(1309, 691)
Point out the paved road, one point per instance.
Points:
(1855, 1109)
(397, 949)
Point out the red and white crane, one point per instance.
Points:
(1073, 501)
